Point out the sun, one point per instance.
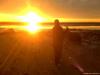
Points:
(33, 19)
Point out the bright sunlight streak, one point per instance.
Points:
(33, 19)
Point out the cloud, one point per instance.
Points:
(77, 8)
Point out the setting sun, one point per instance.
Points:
(33, 19)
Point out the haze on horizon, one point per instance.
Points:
(65, 9)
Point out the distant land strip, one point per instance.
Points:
(51, 23)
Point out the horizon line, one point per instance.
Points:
(52, 23)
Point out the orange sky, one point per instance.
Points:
(69, 10)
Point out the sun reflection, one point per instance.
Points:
(32, 28)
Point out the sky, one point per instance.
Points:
(67, 9)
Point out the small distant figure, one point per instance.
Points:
(67, 29)
(58, 38)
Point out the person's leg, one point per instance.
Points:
(58, 53)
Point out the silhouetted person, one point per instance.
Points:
(58, 37)
(67, 32)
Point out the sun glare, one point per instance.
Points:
(33, 19)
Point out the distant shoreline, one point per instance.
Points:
(51, 23)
